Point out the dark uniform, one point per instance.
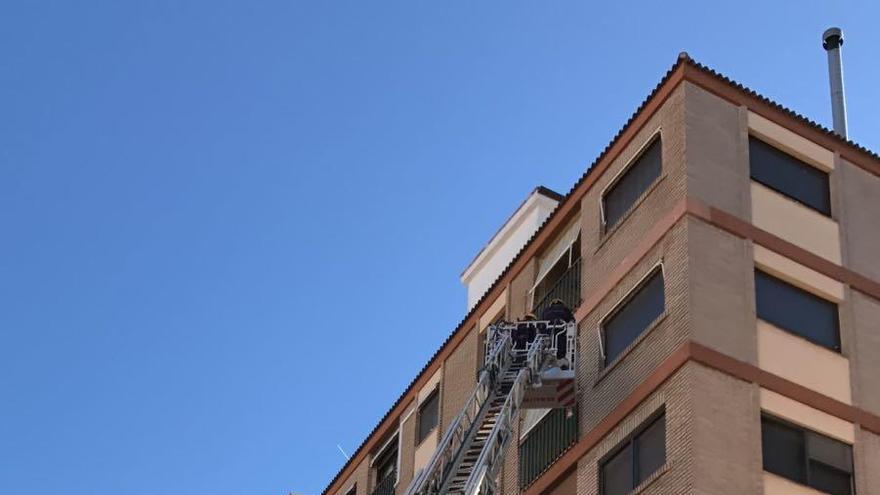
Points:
(524, 332)
(558, 312)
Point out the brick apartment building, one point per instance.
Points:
(723, 257)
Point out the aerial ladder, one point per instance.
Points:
(530, 371)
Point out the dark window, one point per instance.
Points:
(353, 490)
(556, 272)
(829, 480)
(386, 461)
(617, 475)
(650, 448)
(428, 412)
(634, 316)
(797, 311)
(562, 281)
(806, 457)
(787, 175)
(632, 184)
(635, 459)
(386, 470)
(784, 451)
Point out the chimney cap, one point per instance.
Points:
(832, 38)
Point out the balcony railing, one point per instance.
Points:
(386, 485)
(567, 288)
(547, 441)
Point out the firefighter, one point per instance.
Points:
(557, 312)
(524, 333)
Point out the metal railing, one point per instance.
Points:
(448, 455)
(435, 478)
(386, 486)
(558, 332)
(567, 288)
(546, 442)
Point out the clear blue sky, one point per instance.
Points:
(232, 232)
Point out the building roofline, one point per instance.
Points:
(540, 190)
(737, 93)
(684, 69)
(550, 193)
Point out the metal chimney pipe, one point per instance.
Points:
(832, 39)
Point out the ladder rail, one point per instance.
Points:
(436, 476)
(448, 452)
(487, 463)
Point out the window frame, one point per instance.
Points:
(352, 490)
(805, 434)
(657, 135)
(658, 267)
(800, 162)
(434, 394)
(569, 253)
(838, 341)
(631, 441)
(380, 452)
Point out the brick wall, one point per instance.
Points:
(509, 476)
(361, 476)
(859, 202)
(602, 251)
(713, 420)
(726, 433)
(861, 336)
(721, 290)
(716, 151)
(675, 476)
(867, 460)
(566, 486)
(459, 378)
(601, 388)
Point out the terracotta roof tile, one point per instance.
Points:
(683, 58)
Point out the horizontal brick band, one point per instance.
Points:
(746, 230)
(691, 351)
(684, 70)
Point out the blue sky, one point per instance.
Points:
(232, 232)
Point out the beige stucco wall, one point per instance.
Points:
(430, 385)
(806, 416)
(798, 274)
(518, 295)
(790, 142)
(415, 457)
(407, 447)
(494, 310)
(803, 362)
(425, 450)
(795, 223)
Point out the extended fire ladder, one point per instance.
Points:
(471, 451)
